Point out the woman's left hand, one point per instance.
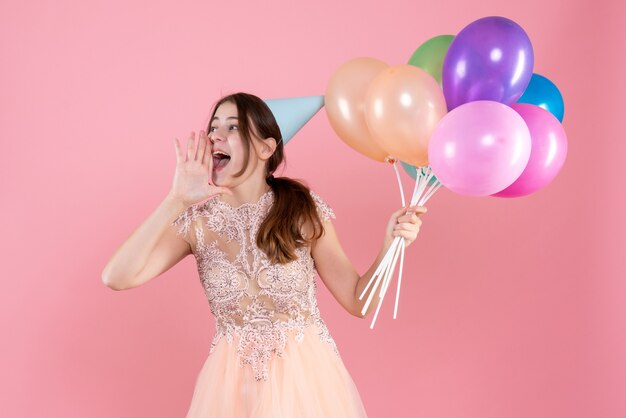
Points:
(403, 224)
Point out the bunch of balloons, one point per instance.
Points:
(466, 112)
(502, 135)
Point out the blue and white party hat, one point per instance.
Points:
(294, 112)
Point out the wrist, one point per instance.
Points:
(175, 201)
(385, 247)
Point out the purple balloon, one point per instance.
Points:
(479, 148)
(490, 59)
(548, 151)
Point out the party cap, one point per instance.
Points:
(294, 112)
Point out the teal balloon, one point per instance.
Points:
(294, 112)
(412, 171)
(543, 93)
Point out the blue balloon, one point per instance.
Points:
(293, 113)
(412, 171)
(543, 93)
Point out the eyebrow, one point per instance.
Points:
(230, 117)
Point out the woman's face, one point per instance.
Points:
(228, 147)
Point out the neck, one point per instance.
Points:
(250, 191)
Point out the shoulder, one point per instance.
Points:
(323, 208)
(184, 220)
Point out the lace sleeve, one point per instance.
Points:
(183, 222)
(324, 211)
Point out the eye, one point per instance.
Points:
(231, 127)
(212, 129)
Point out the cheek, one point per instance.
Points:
(238, 156)
(236, 148)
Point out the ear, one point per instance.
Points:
(268, 146)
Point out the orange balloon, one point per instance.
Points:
(402, 107)
(345, 104)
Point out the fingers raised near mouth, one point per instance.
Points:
(202, 148)
(208, 155)
(191, 147)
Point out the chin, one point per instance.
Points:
(219, 181)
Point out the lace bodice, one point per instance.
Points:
(263, 303)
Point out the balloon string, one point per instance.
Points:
(426, 190)
(388, 274)
(417, 191)
(384, 263)
(415, 188)
(395, 309)
(381, 266)
(423, 182)
(423, 190)
(395, 167)
(387, 266)
(371, 295)
(431, 191)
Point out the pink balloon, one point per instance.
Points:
(479, 148)
(549, 149)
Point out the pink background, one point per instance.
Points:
(509, 308)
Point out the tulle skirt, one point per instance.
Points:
(309, 381)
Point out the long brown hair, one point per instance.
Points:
(282, 231)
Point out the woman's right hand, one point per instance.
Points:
(193, 177)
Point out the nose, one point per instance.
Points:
(215, 136)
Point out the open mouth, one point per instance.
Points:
(220, 159)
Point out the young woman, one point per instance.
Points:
(258, 241)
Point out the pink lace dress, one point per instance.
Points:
(272, 354)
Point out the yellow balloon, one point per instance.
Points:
(344, 102)
(402, 108)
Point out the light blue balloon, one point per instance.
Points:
(294, 112)
(412, 171)
(543, 93)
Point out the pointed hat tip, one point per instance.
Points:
(294, 112)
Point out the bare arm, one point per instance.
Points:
(337, 271)
(154, 247)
